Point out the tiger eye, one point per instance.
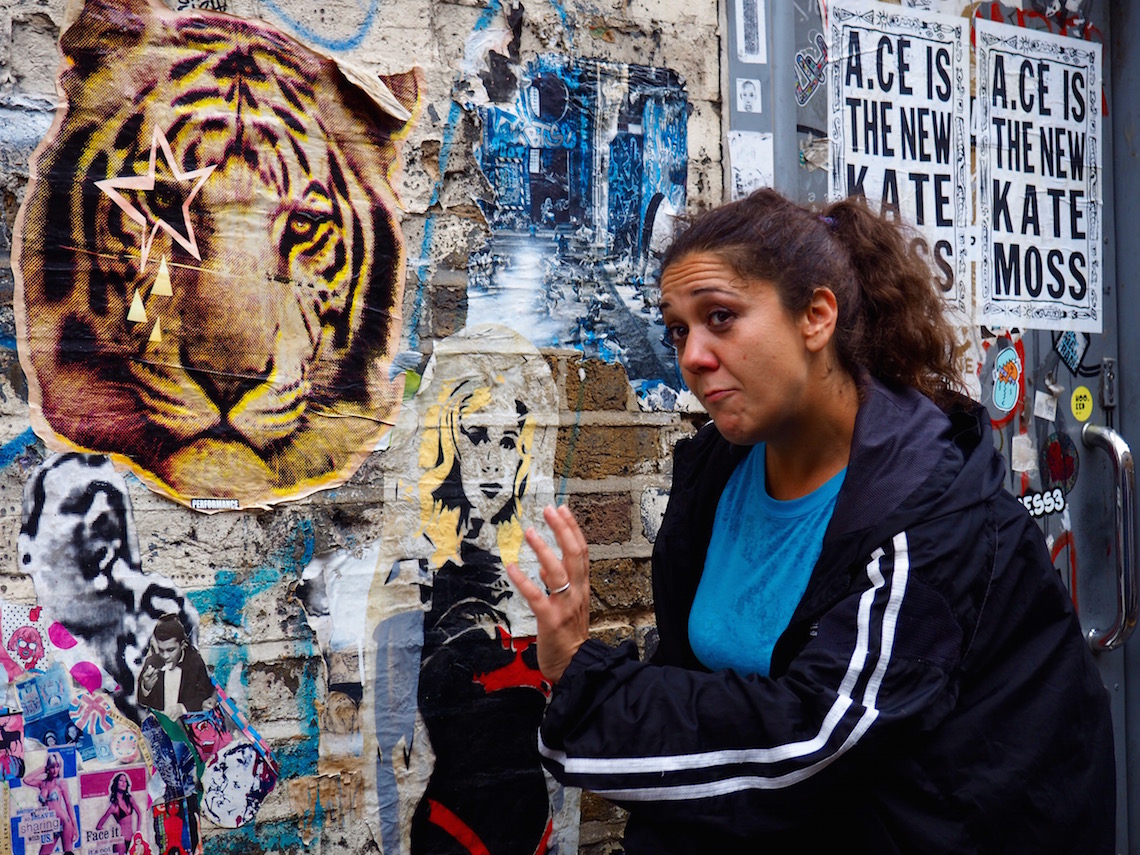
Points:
(301, 225)
(165, 198)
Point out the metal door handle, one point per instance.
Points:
(1127, 583)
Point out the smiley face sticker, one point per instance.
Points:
(1082, 402)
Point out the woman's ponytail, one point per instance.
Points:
(905, 336)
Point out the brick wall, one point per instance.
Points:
(242, 570)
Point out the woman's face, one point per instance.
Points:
(745, 356)
(489, 459)
(226, 789)
(206, 735)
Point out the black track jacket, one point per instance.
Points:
(932, 694)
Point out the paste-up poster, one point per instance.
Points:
(899, 119)
(114, 811)
(751, 30)
(588, 165)
(44, 805)
(753, 163)
(456, 695)
(11, 746)
(1039, 193)
(334, 591)
(95, 603)
(176, 827)
(236, 783)
(211, 296)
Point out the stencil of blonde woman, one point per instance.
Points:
(484, 453)
(459, 771)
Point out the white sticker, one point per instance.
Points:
(1045, 406)
(1024, 456)
(1047, 502)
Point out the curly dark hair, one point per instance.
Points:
(891, 323)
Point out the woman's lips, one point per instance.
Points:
(717, 395)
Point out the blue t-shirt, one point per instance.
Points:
(759, 560)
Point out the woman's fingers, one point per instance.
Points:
(530, 591)
(562, 611)
(551, 568)
(568, 535)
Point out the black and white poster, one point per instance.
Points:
(899, 120)
(751, 31)
(1039, 195)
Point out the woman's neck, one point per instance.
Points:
(820, 447)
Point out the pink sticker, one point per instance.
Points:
(60, 637)
(87, 675)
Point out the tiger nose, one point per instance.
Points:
(224, 387)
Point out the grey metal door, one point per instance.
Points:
(1064, 404)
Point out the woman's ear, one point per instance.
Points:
(819, 319)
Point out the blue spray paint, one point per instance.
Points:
(14, 448)
(281, 835)
(333, 44)
(224, 604)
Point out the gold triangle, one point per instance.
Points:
(156, 333)
(137, 314)
(162, 281)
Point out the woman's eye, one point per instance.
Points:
(476, 435)
(719, 317)
(507, 443)
(674, 335)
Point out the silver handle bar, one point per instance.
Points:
(1127, 582)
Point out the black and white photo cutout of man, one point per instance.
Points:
(174, 678)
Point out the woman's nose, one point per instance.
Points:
(697, 354)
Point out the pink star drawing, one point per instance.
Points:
(112, 186)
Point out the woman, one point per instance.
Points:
(121, 807)
(54, 795)
(863, 644)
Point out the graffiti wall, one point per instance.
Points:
(306, 311)
(588, 161)
(307, 314)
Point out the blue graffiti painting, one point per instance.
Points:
(589, 164)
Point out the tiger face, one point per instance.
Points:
(209, 267)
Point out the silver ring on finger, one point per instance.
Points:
(560, 590)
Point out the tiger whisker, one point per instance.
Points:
(127, 256)
(336, 414)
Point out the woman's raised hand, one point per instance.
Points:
(563, 610)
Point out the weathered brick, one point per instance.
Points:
(273, 687)
(448, 311)
(595, 385)
(613, 634)
(604, 517)
(602, 451)
(621, 583)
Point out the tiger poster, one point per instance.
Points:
(208, 262)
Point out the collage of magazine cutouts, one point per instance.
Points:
(80, 775)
